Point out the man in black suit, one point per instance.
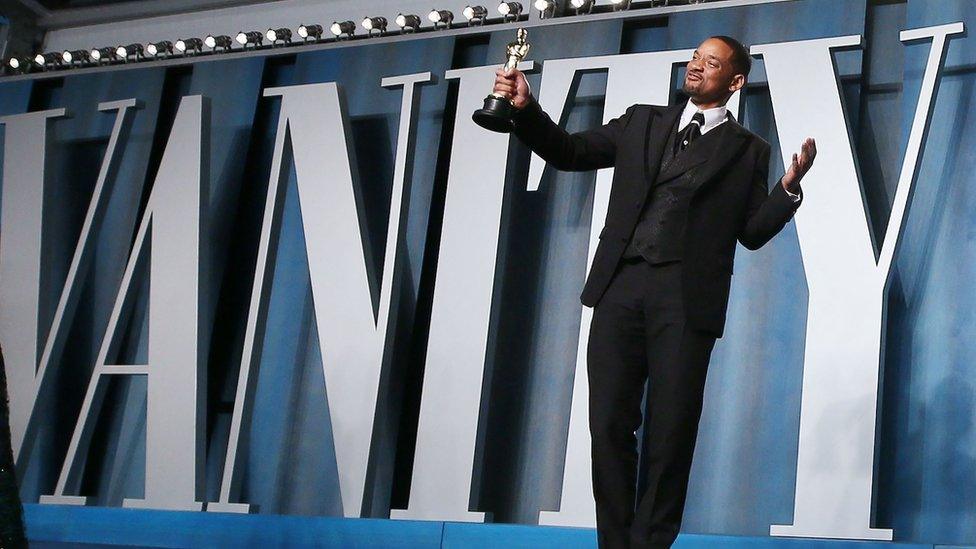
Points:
(688, 182)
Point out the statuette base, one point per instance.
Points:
(496, 116)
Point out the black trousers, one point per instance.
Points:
(639, 334)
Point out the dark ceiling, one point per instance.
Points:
(31, 19)
(48, 14)
(62, 4)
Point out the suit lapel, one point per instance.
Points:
(700, 152)
(728, 148)
(660, 123)
(712, 153)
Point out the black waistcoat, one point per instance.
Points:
(659, 234)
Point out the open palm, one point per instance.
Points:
(800, 165)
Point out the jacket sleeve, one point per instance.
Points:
(581, 151)
(769, 211)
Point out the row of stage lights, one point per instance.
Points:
(341, 30)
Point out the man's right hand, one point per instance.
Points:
(512, 85)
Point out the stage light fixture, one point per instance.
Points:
(407, 22)
(475, 15)
(374, 24)
(343, 28)
(254, 38)
(546, 8)
(278, 35)
(441, 17)
(103, 54)
(163, 47)
(619, 5)
(132, 50)
(582, 6)
(188, 45)
(221, 41)
(310, 32)
(49, 59)
(19, 64)
(510, 10)
(76, 56)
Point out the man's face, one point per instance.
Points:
(710, 75)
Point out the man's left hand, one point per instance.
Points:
(800, 165)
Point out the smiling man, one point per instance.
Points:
(689, 181)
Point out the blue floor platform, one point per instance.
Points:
(63, 527)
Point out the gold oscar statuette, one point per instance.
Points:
(497, 112)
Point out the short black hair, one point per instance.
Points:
(741, 60)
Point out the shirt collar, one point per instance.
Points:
(713, 116)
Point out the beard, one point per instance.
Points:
(691, 88)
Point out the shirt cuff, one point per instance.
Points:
(795, 197)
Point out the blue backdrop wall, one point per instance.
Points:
(744, 468)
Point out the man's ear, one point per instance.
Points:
(737, 82)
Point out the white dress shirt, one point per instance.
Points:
(713, 118)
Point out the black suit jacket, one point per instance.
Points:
(731, 202)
